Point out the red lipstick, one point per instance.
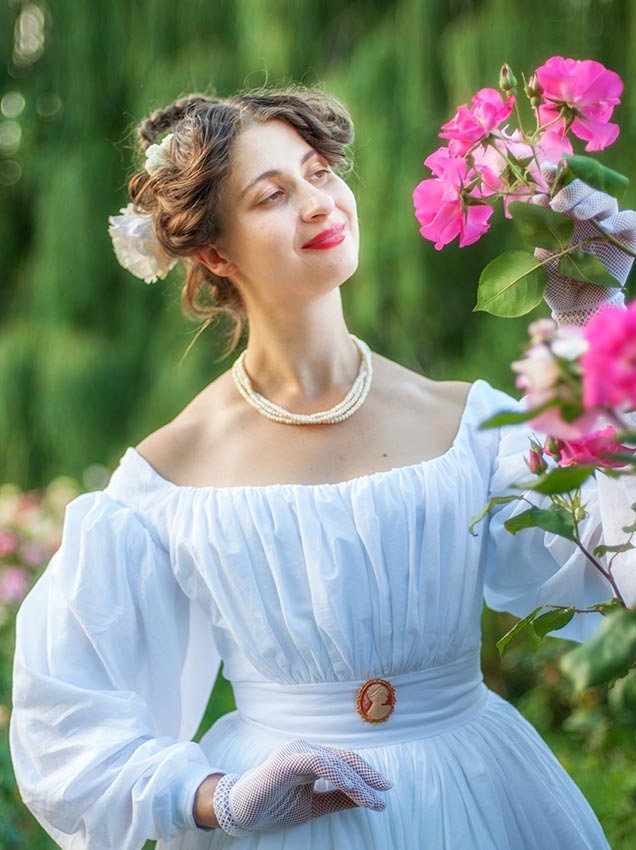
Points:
(328, 238)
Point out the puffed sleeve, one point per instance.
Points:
(533, 567)
(113, 668)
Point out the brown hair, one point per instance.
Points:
(183, 195)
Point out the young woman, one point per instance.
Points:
(304, 519)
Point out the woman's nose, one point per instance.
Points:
(315, 202)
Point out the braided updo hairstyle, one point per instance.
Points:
(183, 195)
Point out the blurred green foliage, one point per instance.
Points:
(90, 358)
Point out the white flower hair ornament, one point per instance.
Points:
(133, 234)
(156, 155)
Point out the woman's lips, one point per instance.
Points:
(328, 238)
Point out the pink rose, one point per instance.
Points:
(14, 583)
(473, 123)
(593, 450)
(445, 207)
(586, 92)
(609, 364)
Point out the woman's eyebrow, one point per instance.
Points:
(275, 172)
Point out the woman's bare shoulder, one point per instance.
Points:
(417, 389)
(176, 447)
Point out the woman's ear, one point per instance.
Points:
(213, 260)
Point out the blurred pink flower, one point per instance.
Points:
(8, 542)
(609, 364)
(593, 450)
(14, 583)
(552, 423)
(34, 554)
(443, 204)
(476, 121)
(537, 374)
(587, 91)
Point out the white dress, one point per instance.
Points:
(305, 592)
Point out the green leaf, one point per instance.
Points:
(596, 175)
(620, 547)
(608, 655)
(518, 627)
(541, 227)
(552, 621)
(515, 417)
(562, 479)
(496, 500)
(555, 520)
(511, 285)
(608, 606)
(587, 268)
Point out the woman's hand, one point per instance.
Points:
(574, 302)
(281, 793)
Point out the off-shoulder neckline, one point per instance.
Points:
(132, 454)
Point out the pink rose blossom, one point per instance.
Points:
(588, 91)
(14, 583)
(593, 450)
(609, 364)
(473, 123)
(443, 205)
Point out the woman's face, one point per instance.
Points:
(290, 226)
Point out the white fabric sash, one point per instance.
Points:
(427, 702)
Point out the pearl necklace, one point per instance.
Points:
(353, 401)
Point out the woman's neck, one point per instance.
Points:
(304, 362)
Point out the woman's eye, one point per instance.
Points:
(321, 173)
(272, 197)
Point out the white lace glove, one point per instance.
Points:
(280, 793)
(573, 302)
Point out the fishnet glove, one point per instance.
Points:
(280, 793)
(573, 302)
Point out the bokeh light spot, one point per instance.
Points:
(10, 172)
(12, 104)
(47, 105)
(10, 135)
(28, 38)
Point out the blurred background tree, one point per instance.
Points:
(90, 358)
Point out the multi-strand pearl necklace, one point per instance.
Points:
(353, 401)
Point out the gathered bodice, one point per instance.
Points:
(328, 582)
